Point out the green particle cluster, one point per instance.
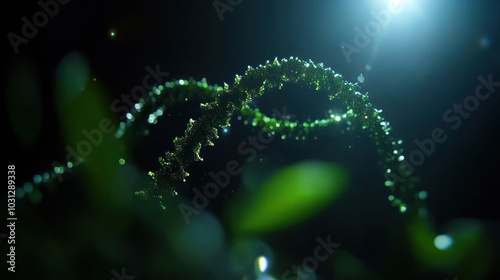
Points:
(235, 98)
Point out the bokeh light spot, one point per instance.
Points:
(443, 242)
(262, 263)
(28, 187)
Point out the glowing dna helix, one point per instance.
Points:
(254, 83)
(223, 102)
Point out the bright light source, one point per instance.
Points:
(395, 3)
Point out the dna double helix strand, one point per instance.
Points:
(222, 102)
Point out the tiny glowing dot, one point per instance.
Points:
(151, 118)
(112, 34)
(58, 170)
(225, 130)
(121, 161)
(20, 193)
(37, 179)
(69, 164)
(443, 242)
(391, 197)
(422, 195)
(28, 187)
(337, 118)
(402, 209)
(401, 158)
(361, 78)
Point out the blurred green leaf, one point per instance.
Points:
(292, 195)
(88, 127)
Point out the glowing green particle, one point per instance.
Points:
(121, 161)
(391, 197)
(402, 208)
(337, 118)
(20, 193)
(422, 195)
(389, 183)
(140, 194)
(37, 179)
(112, 34)
(28, 187)
(69, 164)
(58, 170)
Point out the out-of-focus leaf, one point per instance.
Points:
(292, 195)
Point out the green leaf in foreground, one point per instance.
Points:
(290, 196)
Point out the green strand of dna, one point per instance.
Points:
(223, 102)
(359, 112)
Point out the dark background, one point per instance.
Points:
(424, 62)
